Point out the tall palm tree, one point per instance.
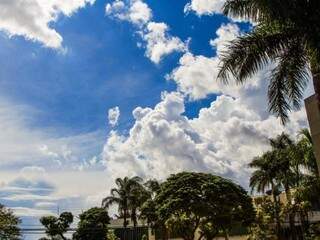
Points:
(285, 151)
(282, 147)
(121, 196)
(264, 178)
(138, 196)
(307, 148)
(286, 33)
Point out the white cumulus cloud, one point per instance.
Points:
(32, 18)
(160, 43)
(196, 75)
(136, 12)
(113, 116)
(155, 35)
(205, 7)
(222, 139)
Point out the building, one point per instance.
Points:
(313, 114)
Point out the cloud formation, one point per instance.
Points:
(196, 75)
(157, 40)
(32, 18)
(113, 116)
(22, 145)
(222, 139)
(205, 7)
(136, 12)
(160, 43)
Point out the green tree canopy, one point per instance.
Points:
(56, 227)
(92, 225)
(9, 224)
(190, 199)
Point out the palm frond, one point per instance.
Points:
(108, 201)
(248, 54)
(260, 10)
(305, 133)
(288, 81)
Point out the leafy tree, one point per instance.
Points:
(56, 227)
(286, 33)
(92, 225)
(264, 177)
(9, 229)
(111, 235)
(122, 195)
(192, 199)
(208, 230)
(153, 186)
(264, 218)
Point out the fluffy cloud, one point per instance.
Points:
(163, 141)
(225, 34)
(137, 12)
(222, 139)
(205, 7)
(157, 41)
(196, 76)
(32, 18)
(160, 43)
(113, 116)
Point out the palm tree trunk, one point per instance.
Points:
(275, 201)
(125, 223)
(291, 215)
(225, 233)
(63, 237)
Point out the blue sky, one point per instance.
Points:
(64, 65)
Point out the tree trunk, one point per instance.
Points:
(275, 201)
(125, 223)
(225, 233)
(291, 215)
(316, 84)
(134, 217)
(63, 237)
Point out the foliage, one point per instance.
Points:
(190, 199)
(111, 235)
(56, 227)
(9, 229)
(208, 230)
(92, 225)
(286, 33)
(127, 197)
(289, 166)
(264, 219)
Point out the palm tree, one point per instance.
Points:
(288, 169)
(121, 196)
(264, 178)
(287, 34)
(138, 196)
(307, 148)
(282, 147)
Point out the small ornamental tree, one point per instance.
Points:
(56, 227)
(93, 225)
(192, 200)
(9, 229)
